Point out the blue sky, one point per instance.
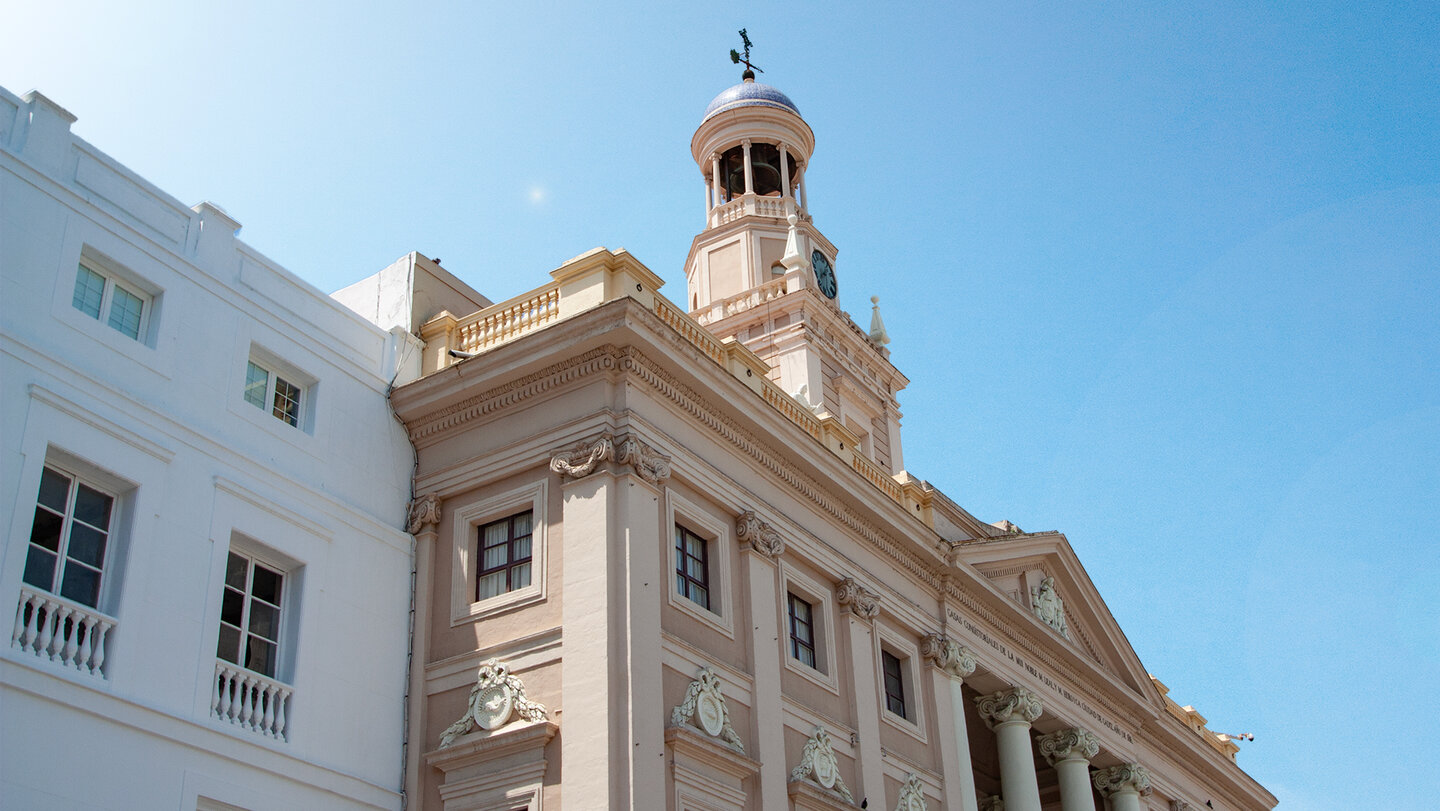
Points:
(1164, 278)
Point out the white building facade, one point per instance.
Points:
(204, 494)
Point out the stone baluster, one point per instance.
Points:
(47, 630)
(69, 629)
(87, 647)
(1069, 751)
(267, 720)
(99, 655)
(280, 713)
(1009, 713)
(1124, 785)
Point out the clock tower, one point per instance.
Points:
(762, 273)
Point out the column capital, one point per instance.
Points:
(584, 458)
(758, 535)
(1015, 704)
(745, 142)
(1126, 777)
(424, 512)
(992, 803)
(1068, 744)
(948, 655)
(861, 602)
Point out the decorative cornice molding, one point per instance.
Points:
(1067, 744)
(1015, 704)
(424, 511)
(1125, 777)
(758, 535)
(861, 602)
(948, 655)
(496, 699)
(704, 706)
(912, 795)
(819, 764)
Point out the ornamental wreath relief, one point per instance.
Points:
(818, 763)
(705, 704)
(496, 699)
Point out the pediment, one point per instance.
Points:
(1018, 564)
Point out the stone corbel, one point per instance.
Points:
(912, 795)
(759, 535)
(581, 459)
(1017, 703)
(424, 511)
(819, 765)
(704, 707)
(861, 601)
(1125, 777)
(496, 699)
(948, 655)
(649, 464)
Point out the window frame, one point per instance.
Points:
(895, 679)
(820, 598)
(798, 645)
(268, 400)
(683, 514)
(689, 586)
(907, 654)
(113, 277)
(63, 559)
(511, 559)
(465, 544)
(284, 609)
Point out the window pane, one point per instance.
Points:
(232, 607)
(264, 620)
(260, 656)
(806, 656)
(81, 584)
(495, 557)
(256, 379)
(287, 401)
(229, 646)
(93, 507)
(235, 569)
(89, 291)
(522, 523)
(491, 585)
(86, 545)
(520, 576)
(700, 595)
(522, 548)
(45, 531)
(496, 533)
(266, 584)
(54, 490)
(125, 310)
(40, 569)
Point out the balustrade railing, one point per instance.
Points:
(61, 631)
(509, 320)
(250, 701)
(739, 303)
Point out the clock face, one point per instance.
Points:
(824, 274)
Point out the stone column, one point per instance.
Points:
(709, 197)
(424, 524)
(762, 547)
(785, 180)
(749, 173)
(717, 180)
(1010, 713)
(1124, 785)
(804, 195)
(860, 607)
(1069, 751)
(953, 662)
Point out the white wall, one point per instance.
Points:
(164, 420)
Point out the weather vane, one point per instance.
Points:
(738, 59)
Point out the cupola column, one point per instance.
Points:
(749, 174)
(804, 195)
(785, 180)
(709, 196)
(715, 184)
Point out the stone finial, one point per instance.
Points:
(948, 655)
(424, 511)
(912, 795)
(861, 601)
(1122, 778)
(819, 764)
(649, 464)
(704, 705)
(1015, 704)
(1067, 744)
(759, 535)
(496, 699)
(792, 260)
(581, 459)
(1049, 607)
(992, 803)
(878, 335)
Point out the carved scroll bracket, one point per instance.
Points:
(424, 511)
(948, 655)
(584, 458)
(861, 602)
(759, 535)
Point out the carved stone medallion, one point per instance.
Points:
(496, 699)
(912, 795)
(818, 762)
(705, 705)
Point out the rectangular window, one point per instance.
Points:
(505, 555)
(891, 668)
(692, 567)
(802, 630)
(102, 297)
(250, 615)
(265, 388)
(69, 538)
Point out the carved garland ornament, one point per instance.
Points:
(1016, 703)
(1068, 743)
(705, 705)
(495, 700)
(759, 535)
(1049, 607)
(582, 459)
(862, 601)
(948, 655)
(424, 511)
(819, 764)
(912, 795)
(1125, 777)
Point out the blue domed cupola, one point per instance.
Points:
(749, 93)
